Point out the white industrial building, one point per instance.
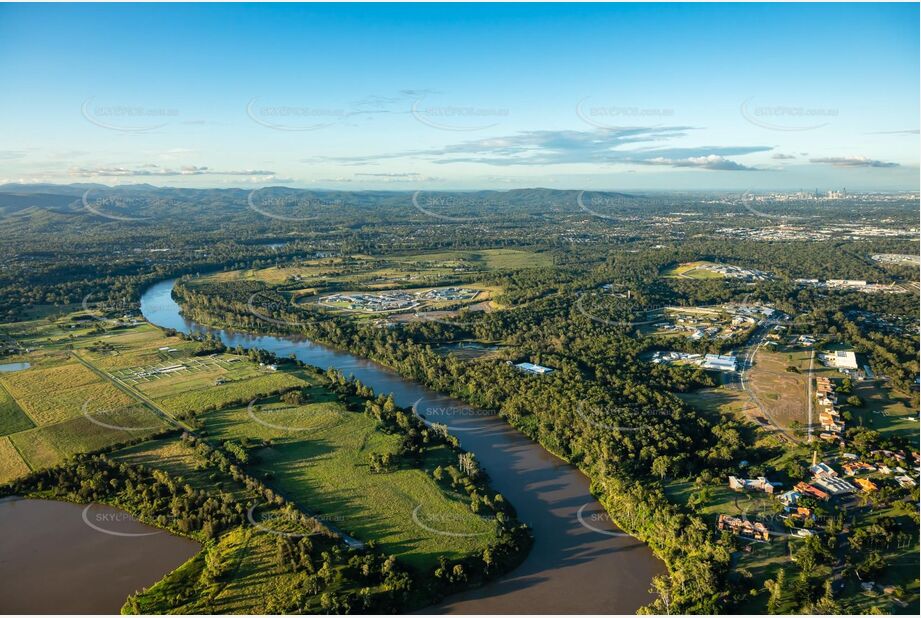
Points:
(842, 359)
(532, 368)
(719, 362)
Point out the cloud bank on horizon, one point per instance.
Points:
(455, 97)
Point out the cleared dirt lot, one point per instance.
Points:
(782, 393)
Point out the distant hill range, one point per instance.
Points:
(140, 202)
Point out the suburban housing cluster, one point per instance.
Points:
(852, 284)
(737, 272)
(826, 485)
(395, 300)
(829, 417)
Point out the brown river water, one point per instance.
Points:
(58, 557)
(579, 564)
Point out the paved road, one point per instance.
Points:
(755, 342)
(134, 393)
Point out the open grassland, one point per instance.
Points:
(137, 347)
(311, 269)
(488, 259)
(885, 410)
(56, 377)
(51, 334)
(196, 374)
(319, 457)
(252, 577)
(316, 454)
(60, 407)
(12, 465)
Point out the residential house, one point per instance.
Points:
(866, 484)
(758, 484)
(744, 527)
(815, 492)
(856, 467)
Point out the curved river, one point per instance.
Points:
(579, 564)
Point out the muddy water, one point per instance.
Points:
(579, 562)
(57, 557)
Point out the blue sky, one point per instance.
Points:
(620, 96)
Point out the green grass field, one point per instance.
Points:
(316, 455)
(319, 458)
(391, 272)
(692, 270)
(177, 458)
(208, 396)
(885, 410)
(254, 585)
(49, 445)
(12, 418)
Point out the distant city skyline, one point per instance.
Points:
(456, 97)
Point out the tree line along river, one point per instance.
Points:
(88, 559)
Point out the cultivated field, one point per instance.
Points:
(12, 418)
(55, 393)
(319, 457)
(11, 464)
(211, 397)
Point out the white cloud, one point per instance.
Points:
(853, 162)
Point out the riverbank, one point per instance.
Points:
(572, 568)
